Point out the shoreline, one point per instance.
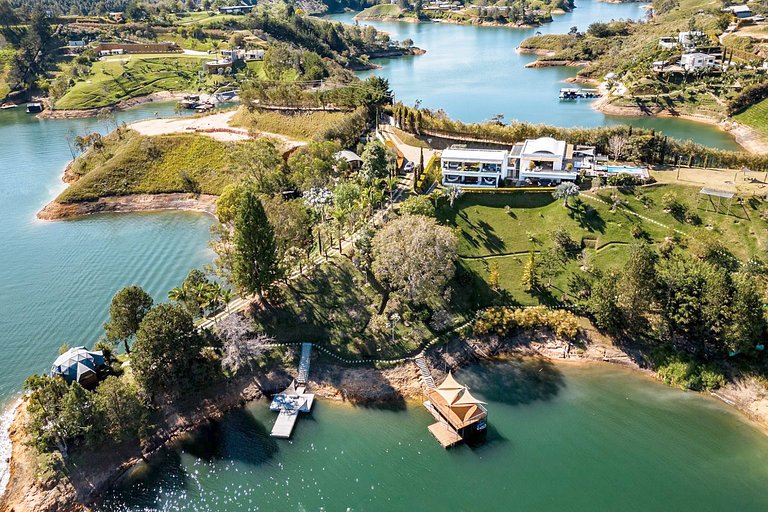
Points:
(748, 138)
(332, 381)
(409, 19)
(119, 106)
(185, 201)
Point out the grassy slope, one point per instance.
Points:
(382, 11)
(303, 126)
(137, 164)
(490, 234)
(6, 54)
(755, 116)
(118, 79)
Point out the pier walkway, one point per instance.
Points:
(306, 350)
(426, 375)
(293, 399)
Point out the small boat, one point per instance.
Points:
(8, 105)
(34, 108)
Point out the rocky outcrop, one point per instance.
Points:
(133, 203)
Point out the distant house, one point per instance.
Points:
(354, 161)
(76, 44)
(697, 60)
(689, 39)
(235, 9)
(668, 42)
(121, 48)
(740, 11)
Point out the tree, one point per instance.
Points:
(529, 279)
(494, 277)
(240, 345)
(255, 264)
(565, 191)
(418, 205)
(127, 310)
(315, 165)
(616, 145)
(454, 192)
(375, 161)
(262, 163)
(121, 410)
(415, 255)
(166, 350)
(603, 303)
(747, 326)
(636, 285)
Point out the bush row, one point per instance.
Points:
(506, 321)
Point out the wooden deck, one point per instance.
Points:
(289, 412)
(445, 434)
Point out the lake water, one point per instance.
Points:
(58, 277)
(474, 72)
(560, 438)
(573, 439)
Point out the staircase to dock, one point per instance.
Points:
(426, 375)
(306, 351)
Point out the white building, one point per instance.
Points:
(740, 11)
(545, 159)
(697, 60)
(474, 167)
(534, 161)
(689, 39)
(668, 42)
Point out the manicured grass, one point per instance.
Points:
(121, 78)
(382, 11)
(137, 164)
(502, 229)
(301, 126)
(203, 19)
(756, 117)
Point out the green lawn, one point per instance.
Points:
(301, 126)
(501, 229)
(137, 164)
(382, 11)
(124, 77)
(756, 117)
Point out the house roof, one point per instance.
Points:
(493, 156)
(739, 8)
(544, 146)
(698, 55)
(76, 363)
(456, 403)
(347, 155)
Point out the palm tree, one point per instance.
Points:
(564, 191)
(454, 192)
(226, 297)
(178, 294)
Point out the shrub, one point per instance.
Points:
(507, 321)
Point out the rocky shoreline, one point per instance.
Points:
(204, 203)
(746, 137)
(329, 380)
(122, 105)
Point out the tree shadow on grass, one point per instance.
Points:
(587, 217)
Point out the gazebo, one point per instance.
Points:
(460, 416)
(78, 365)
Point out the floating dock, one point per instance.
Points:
(575, 93)
(294, 399)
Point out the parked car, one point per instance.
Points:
(408, 166)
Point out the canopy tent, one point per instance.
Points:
(709, 193)
(456, 404)
(78, 365)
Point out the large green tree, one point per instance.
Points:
(415, 256)
(127, 310)
(255, 264)
(121, 409)
(166, 352)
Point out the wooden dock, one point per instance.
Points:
(290, 406)
(445, 434)
(294, 399)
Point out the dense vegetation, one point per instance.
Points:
(641, 145)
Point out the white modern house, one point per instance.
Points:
(689, 39)
(697, 60)
(668, 42)
(474, 167)
(535, 161)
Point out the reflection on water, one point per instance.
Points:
(560, 438)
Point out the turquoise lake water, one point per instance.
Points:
(474, 72)
(560, 438)
(597, 438)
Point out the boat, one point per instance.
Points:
(34, 108)
(8, 105)
(575, 93)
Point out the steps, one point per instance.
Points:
(306, 349)
(426, 375)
